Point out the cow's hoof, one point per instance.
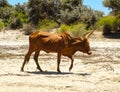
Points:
(22, 70)
(59, 72)
(39, 69)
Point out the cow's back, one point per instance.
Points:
(46, 41)
(51, 42)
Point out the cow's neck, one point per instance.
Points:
(69, 51)
(73, 48)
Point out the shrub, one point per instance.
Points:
(117, 23)
(47, 24)
(28, 29)
(77, 29)
(106, 24)
(17, 19)
(64, 28)
(6, 15)
(23, 18)
(1, 25)
(16, 23)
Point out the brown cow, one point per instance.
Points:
(62, 44)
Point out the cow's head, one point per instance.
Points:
(83, 44)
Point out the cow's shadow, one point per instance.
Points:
(56, 73)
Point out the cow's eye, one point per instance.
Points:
(81, 43)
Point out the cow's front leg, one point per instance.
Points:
(72, 60)
(58, 62)
(36, 60)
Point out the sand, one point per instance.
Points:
(99, 72)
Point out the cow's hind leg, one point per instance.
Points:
(72, 60)
(26, 59)
(58, 62)
(36, 60)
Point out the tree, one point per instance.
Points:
(62, 11)
(117, 23)
(21, 12)
(40, 9)
(6, 11)
(22, 8)
(70, 11)
(58, 10)
(4, 3)
(112, 4)
(115, 6)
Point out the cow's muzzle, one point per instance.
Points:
(89, 53)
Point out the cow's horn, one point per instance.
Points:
(87, 35)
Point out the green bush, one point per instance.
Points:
(106, 24)
(6, 13)
(47, 24)
(16, 23)
(1, 25)
(23, 18)
(117, 23)
(78, 29)
(64, 28)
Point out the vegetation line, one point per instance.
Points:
(66, 15)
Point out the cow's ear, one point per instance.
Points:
(87, 35)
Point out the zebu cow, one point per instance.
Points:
(62, 44)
